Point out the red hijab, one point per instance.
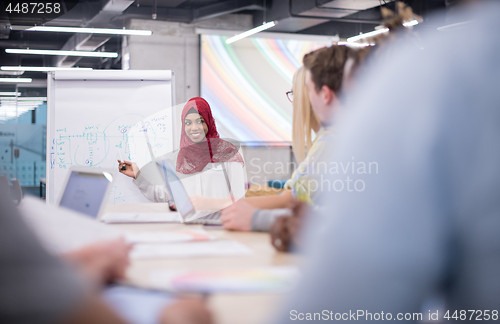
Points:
(193, 157)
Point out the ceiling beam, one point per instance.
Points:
(224, 8)
(162, 14)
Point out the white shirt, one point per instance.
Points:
(210, 182)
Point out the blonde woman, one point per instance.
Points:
(304, 119)
(258, 213)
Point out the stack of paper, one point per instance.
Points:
(258, 280)
(195, 235)
(194, 249)
(110, 218)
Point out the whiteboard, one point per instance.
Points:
(93, 117)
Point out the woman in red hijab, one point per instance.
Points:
(210, 168)
(200, 142)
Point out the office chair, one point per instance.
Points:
(16, 191)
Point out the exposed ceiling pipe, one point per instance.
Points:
(90, 42)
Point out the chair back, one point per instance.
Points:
(16, 191)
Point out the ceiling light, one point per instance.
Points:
(64, 53)
(39, 68)
(410, 23)
(10, 93)
(251, 32)
(84, 30)
(366, 35)
(11, 72)
(24, 99)
(379, 31)
(454, 26)
(15, 80)
(354, 44)
(31, 105)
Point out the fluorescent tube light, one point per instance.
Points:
(251, 32)
(10, 93)
(379, 31)
(454, 26)
(410, 23)
(39, 68)
(58, 52)
(354, 44)
(24, 99)
(370, 34)
(15, 80)
(84, 30)
(31, 106)
(11, 72)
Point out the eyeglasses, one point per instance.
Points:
(289, 95)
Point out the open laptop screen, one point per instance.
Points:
(85, 192)
(181, 198)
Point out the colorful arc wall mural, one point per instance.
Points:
(245, 83)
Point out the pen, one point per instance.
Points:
(121, 159)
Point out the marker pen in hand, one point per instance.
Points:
(121, 159)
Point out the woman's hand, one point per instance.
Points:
(238, 216)
(131, 169)
(103, 261)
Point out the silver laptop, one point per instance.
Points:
(86, 190)
(182, 202)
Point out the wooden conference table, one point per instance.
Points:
(227, 308)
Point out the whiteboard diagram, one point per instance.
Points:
(95, 121)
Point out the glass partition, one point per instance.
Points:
(23, 120)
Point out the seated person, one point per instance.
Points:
(208, 166)
(328, 73)
(326, 64)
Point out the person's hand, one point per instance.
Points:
(103, 261)
(131, 168)
(280, 236)
(285, 231)
(238, 216)
(187, 311)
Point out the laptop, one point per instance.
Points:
(86, 190)
(182, 202)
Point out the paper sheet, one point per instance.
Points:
(61, 229)
(169, 237)
(110, 218)
(194, 249)
(257, 280)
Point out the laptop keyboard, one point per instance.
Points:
(209, 217)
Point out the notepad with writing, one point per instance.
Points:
(112, 218)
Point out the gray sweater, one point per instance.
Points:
(263, 219)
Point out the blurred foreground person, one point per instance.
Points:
(38, 287)
(426, 223)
